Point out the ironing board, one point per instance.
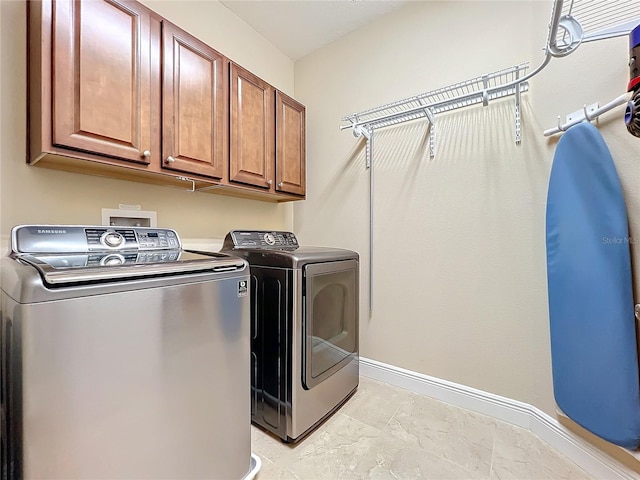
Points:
(593, 339)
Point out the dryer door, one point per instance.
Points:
(330, 318)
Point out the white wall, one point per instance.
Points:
(460, 268)
(35, 194)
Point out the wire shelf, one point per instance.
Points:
(470, 92)
(577, 21)
(601, 16)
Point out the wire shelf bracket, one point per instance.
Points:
(366, 132)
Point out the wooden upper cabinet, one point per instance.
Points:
(194, 105)
(251, 149)
(116, 90)
(105, 81)
(290, 145)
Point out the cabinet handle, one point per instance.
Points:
(269, 182)
(281, 184)
(170, 159)
(146, 154)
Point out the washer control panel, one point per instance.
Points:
(79, 239)
(260, 239)
(154, 239)
(132, 238)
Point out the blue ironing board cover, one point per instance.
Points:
(593, 338)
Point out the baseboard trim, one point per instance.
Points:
(520, 414)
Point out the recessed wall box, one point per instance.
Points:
(129, 218)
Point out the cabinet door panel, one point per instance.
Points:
(252, 129)
(103, 79)
(290, 145)
(194, 105)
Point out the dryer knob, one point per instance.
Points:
(269, 239)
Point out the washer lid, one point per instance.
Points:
(75, 254)
(65, 269)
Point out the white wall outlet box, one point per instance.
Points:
(129, 218)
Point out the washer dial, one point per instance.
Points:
(112, 239)
(269, 239)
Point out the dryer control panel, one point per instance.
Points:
(260, 239)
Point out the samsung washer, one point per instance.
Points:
(123, 356)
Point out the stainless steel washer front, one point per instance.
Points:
(137, 369)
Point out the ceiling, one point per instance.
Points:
(298, 27)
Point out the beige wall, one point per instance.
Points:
(33, 194)
(466, 300)
(460, 269)
(2, 246)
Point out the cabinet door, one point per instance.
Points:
(105, 80)
(290, 145)
(194, 105)
(251, 158)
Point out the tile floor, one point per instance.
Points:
(385, 432)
